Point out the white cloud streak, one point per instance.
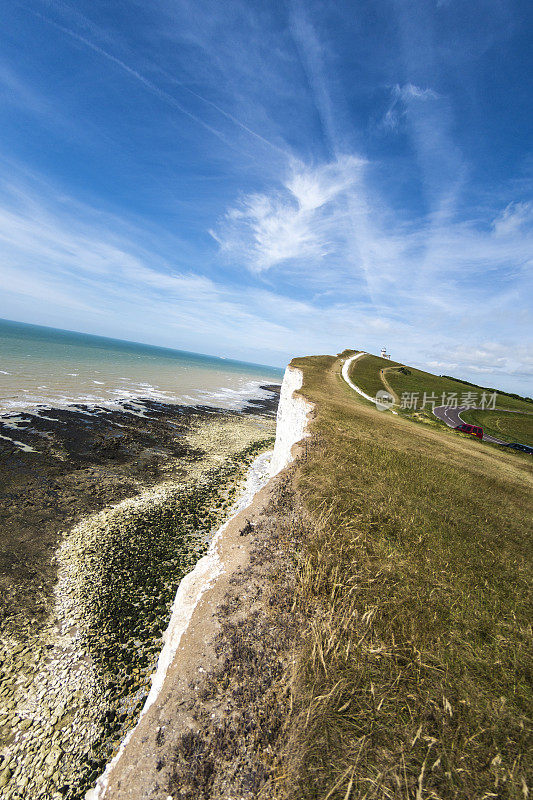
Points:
(299, 221)
(161, 94)
(402, 96)
(57, 256)
(434, 275)
(325, 260)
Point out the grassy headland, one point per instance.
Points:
(415, 577)
(366, 373)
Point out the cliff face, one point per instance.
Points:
(200, 619)
(292, 418)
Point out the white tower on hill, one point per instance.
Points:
(384, 353)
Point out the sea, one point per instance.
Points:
(118, 463)
(44, 367)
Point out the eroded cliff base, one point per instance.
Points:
(217, 727)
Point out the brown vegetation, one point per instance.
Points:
(415, 679)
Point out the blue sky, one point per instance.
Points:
(263, 180)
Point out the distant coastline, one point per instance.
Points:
(117, 461)
(46, 367)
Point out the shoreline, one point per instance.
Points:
(199, 599)
(56, 724)
(230, 400)
(190, 591)
(81, 462)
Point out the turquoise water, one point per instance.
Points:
(50, 367)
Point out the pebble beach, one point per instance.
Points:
(75, 676)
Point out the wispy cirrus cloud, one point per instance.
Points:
(401, 97)
(257, 123)
(314, 212)
(330, 228)
(60, 255)
(71, 258)
(301, 220)
(516, 218)
(90, 39)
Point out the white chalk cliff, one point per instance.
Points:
(291, 423)
(291, 426)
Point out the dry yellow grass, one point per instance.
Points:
(415, 681)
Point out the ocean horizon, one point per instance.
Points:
(119, 462)
(51, 367)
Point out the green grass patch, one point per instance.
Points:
(365, 372)
(415, 679)
(502, 425)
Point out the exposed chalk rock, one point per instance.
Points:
(291, 421)
(188, 595)
(291, 424)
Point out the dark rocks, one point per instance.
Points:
(78, 656)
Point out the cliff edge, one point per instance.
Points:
(189, 726)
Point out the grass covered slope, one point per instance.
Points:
(415, 681)
(502, 425)
(365, 373)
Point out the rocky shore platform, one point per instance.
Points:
(217, 728)
(103, 512)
